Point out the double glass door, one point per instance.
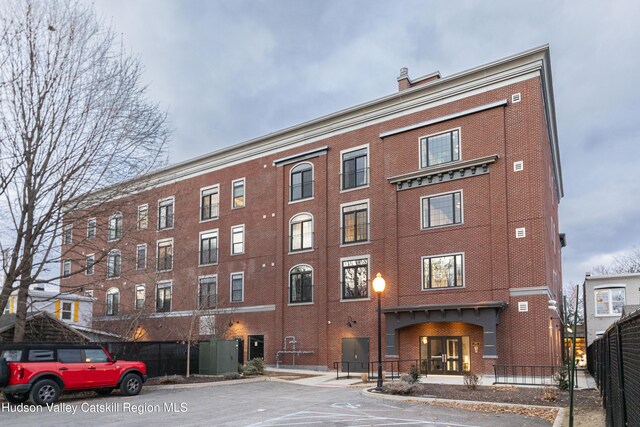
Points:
(441, 355)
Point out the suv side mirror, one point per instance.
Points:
(114, 359)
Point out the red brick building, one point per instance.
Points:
(448, 188)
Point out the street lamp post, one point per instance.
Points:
(378, 287)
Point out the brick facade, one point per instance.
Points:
(498, 267)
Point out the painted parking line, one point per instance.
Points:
(309, 418)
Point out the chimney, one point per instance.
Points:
(403, 79)
(404, 82)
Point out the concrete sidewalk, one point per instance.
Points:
(328, 379)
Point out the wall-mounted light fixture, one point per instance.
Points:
(476, 346)
(424, 340)
(351, 322)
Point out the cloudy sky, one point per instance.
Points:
(228, 71)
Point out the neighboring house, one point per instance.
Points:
(72, 309)
(40, 326)
(449, 188)
(605, 298)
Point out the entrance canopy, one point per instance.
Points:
(484, 314)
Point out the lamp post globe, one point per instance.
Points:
(378, 286)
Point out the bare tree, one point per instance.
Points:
(74, 122)
(628, 262)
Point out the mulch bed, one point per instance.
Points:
(586, 402)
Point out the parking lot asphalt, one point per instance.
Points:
(267, 403)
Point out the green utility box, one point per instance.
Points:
(218, 357)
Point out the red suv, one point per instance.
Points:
(41, 372)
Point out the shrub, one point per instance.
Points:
(404, 388)
(561, 378)
(550, 394)
(407, 378)
(414, 372)
(254, 367)
(471, 380)
(231, 376)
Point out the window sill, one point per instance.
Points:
(301, 251)
(208, 265)
(448, 288)
(439, 227)
(348, 190)
(164, 271)
(237, 207)
(236, 302)
(164, 229)
(113, 278)
(355, 299)
(306, 199)
(239, 253)
(208, 220)
(607, 315)
(347, 245)
(295, 304)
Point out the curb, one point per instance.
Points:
(205, 384)
(562, 414)
(557, 423)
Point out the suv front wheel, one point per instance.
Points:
(131, 384)
(16, 398)
(45, 392)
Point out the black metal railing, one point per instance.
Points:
(209, 256)
(526, 374)
(301, 191)
(210, 211)
(391, 368)
(355, 233)
(301, 242)
(165, 262)
(354, 179)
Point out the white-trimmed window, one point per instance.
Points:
(113, 301)
(67, 233)
(163, 297)
(355, 278)
(90, 261)
(141, 256)
(610, 300)
(301, 182)
(301, 284)
(91, 228)
(237, 239)
(66, 311)
(143, 217)
(164, 255)
(66, 268)
(442, 209)
(443, 271)
(209, 247)
(237, 287)
(355, 223)
(140, 297)
(207, 291)
(301, 232)
(440, 148)
(209, 203)
(115, 226)
(165, 213)
(238, 193)
(114, 263)
(354, 167)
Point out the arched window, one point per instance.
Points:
(302, 181)
(115, 226)
(300, 284)
(301, 232)
(113, 301)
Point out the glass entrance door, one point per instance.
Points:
(441, 355)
